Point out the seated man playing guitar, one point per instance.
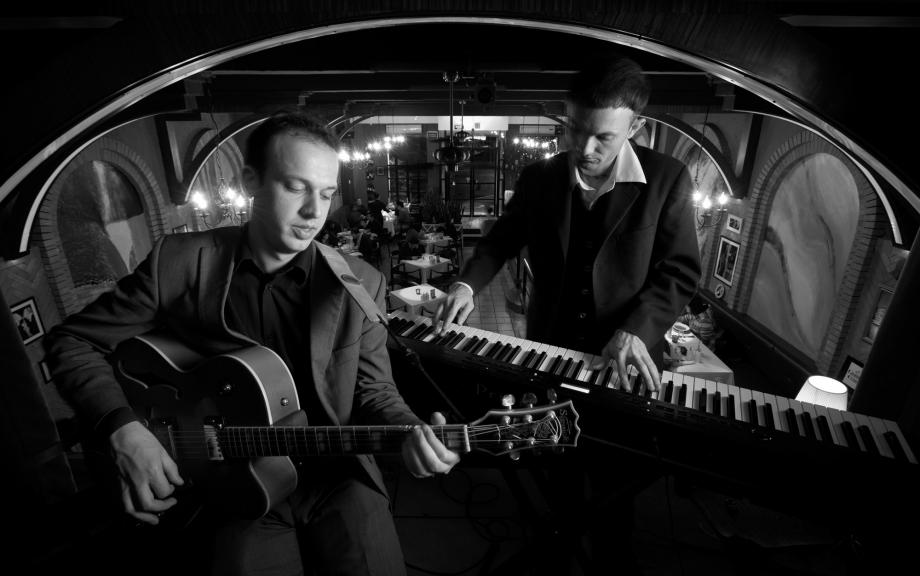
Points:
(264, 284)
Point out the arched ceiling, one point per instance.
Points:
(87, 68)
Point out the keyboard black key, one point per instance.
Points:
(717, 403)
(849, 435)
(896, 449)
(700, 402)
(564, 368)
(768, 420)
(730, 407)
(792, 422)
(528, 357)
(808, 427)
(538, 361)
(825, 429)
(868, 441)
(472, 342)
(682, 395)
(576, 370)
(479, 346)
(752, 412)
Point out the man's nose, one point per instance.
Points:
(587, 144)
(310, 207)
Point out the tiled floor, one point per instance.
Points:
(486, 519)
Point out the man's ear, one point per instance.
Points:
(637, 125)
(250, 181)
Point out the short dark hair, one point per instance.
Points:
(613, 83)
(286, 121)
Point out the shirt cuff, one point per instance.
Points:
(468, 287)
(113, 421)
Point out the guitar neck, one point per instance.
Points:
(258, 441)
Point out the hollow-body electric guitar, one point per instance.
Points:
(233, 421)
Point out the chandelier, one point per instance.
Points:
(225, 204)
(708, 212)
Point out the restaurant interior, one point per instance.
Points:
(129, 122)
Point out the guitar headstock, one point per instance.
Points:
(513, 430)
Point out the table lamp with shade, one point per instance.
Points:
(824, 391)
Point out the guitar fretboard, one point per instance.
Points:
(257, 441)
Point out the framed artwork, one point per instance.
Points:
(46, 372)
(29, 324)
(734, 223)
(180, 229)
(851, 371)
(725, 263)
(380, 171)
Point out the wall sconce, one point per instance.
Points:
(708, 213)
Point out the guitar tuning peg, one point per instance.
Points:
(508, 400)
(529, 399)
(551, 395)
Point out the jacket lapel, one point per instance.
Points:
(326, 301)
(215, 270)
(621, 200)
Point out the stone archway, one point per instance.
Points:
(840, 285)
(114, 155)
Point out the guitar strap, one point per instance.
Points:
(353, 286)
(346, 277)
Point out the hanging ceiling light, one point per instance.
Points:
(230, 205)
(452, 154)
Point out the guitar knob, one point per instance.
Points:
(515, 456)
(529, 399)
(551, 395)
(508, 400)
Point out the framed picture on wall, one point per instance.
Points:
(734, 223)
(29, 324)
(380, 171)
(851, 371)
(725, 263)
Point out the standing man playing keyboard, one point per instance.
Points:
(609, 232)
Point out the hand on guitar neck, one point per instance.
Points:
(148, 475)
(424, 455)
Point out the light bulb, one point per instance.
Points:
(707, 202)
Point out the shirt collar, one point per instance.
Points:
(626, 168)
(298, 268)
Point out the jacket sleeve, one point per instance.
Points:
(377, 400)
(674, 268)
(504, 241)
(78, 347)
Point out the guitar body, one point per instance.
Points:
(184, 397)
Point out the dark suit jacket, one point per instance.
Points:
(646, 270)
(183, 286)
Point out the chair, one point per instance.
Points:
(442, 279)
(400, 274)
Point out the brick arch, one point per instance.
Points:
(123, 158)
(869, 228)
